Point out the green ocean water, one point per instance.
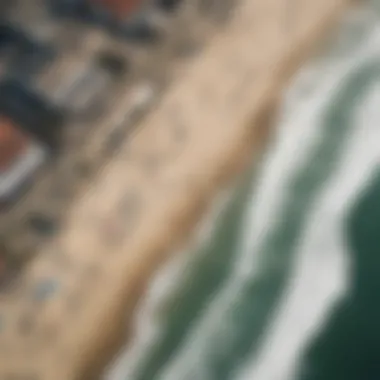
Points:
(286, 284)
(349, 346)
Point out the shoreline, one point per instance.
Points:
(89, 334)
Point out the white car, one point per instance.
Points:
(20, 157)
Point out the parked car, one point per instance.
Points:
(20, 54)
(20, 157)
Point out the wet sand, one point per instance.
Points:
(148, 199)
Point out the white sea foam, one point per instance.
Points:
(147, 324)
(299, 131)
(312, 293)
(321, 275)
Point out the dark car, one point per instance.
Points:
(20, 54)
(31, 112)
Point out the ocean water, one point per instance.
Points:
(283, 279)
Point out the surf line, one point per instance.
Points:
(189, 297)
(214, 341)
(320, 278)
(150, 321)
